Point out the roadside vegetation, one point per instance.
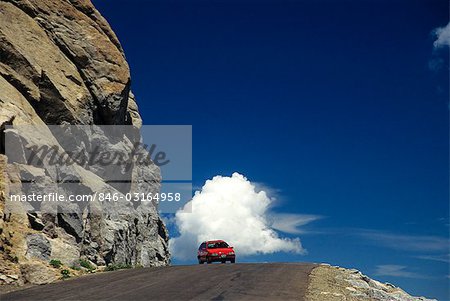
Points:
(56, 263)
(85, 266)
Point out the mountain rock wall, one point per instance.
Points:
(61, 64)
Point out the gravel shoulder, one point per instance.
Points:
(329, 283)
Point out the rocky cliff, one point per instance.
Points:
(332, 283)
(61, 64)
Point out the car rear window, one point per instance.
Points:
(217, 245)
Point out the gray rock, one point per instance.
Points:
(38, 247)
(35, 222)
(72, 223)
(360, 284)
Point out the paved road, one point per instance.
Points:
(256, 281)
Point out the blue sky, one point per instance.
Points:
(332, 104)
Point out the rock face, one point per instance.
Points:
(328, 283)
(38, 246)
(61, 64)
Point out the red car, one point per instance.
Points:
(215, 250)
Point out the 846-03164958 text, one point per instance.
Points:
(98, 196)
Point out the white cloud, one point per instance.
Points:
(442, 35)
(232, 209)
(406, 242)
(291, 223)
(442, 39)
(396, 271)
(441, 257)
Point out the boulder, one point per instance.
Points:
(38, 273)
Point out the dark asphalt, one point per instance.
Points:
(256, 281)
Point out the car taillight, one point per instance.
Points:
(231, 253)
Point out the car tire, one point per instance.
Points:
(232, 260)
(200, 261)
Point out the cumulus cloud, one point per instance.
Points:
(442, 40)
(233, 209)
(442, 35)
